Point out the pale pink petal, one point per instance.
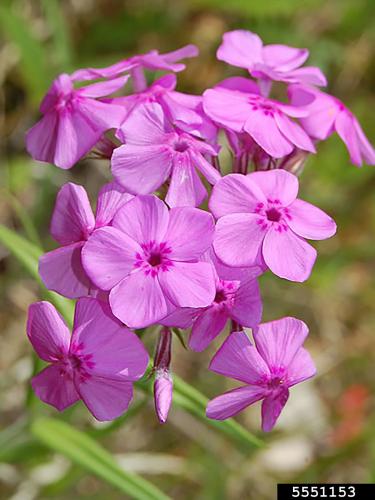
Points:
(139, 301)
(104, 88)
(235, 193)
(265, 132)
(72, 218)
(185, 188)
(61, 270)
(141, 169)
(41, 138)
(47, 331)
(288, 256)
(111, 197)
(279, 341)
(190, 232)
(54, 388)
(109, 256)
(205, 167)
(283, 57)
(277, 185)
(229, 273)
(227, 107)
(271, 409)
(310, 75)
(189, 50)
(301, 368)
(180, 318)
(239, 83)
(145, 126)
(240, 48)
(105, 398)
(344, 125)
(209, 324)
(163, 391)
(232, 402)
(367, 149)
(113, 349)
(104, 114)
(238, 240)
(294, 133)
(247, 305)
(189, 284)
(144, 219)
(310, 222)
(238, 358)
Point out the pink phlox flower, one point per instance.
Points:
(73, 120)
(72, 224)
(154, 150)
(149, 260)
(269, 368)
(240, 108)
(271, 62)
(97, 364)
(261, 221)
(151, 60)
(328, 114)
(237, 297)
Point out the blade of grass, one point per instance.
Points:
(84, 451)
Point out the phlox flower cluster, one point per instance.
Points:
(176, 239)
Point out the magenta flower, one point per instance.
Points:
(151, 60)
(237, 297)
(97, 364)
(262, 221)
(269, 368)
(273, 62)
(149, 260)
(326, 115)
(155, 150)
(265, 120)
(73, 120)
(72, 224)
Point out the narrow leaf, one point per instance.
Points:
(84, 451)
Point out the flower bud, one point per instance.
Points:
(163, 389)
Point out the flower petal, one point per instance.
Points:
(232, 402)
(235, 193)
(284, 58)
(101, 89)
(72, 218)
(310, 222)
(105, 398)
(279, 341)
(271, 409)
(209, 324)
(47, 331)
(111, 197)
(310, 75)
(62, 271)
(145, 126)
(41, 138)
(277, 185)
(113, 349)
(109, 256)
(240, 48)
(300, 368)
(238, 358)
(344, 125)
(189, 284)
(144, 219)
(367, 149)
(288, 256)
(190, 232)
(229, 108)
(238, 240)
(139, 301)
(185, 188)
(294, 133)
(53, 388)
(247, 304)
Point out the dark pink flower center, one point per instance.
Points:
(225, 292)
(273, 214)
(181, 146)
(260, 103)
(154, 258)
(77, 363)
(220, 296)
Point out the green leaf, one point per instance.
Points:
(84, 451)
(34, 68)
(28, 254)
(184, 394)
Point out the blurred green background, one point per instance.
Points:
(327, 432)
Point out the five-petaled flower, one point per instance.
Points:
(269, 368)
